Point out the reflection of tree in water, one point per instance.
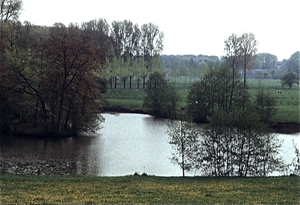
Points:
(78, 155)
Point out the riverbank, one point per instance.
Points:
(75, 189)
(278, 127)
(27, 130)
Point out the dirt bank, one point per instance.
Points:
(287, 128)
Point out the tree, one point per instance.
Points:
(232, 49)
(71, 85)
(265, 61)
(161, 98)
(289, 79)
(265, 106)
(117, 35)
(23, 60)
(248, 49)
(237, 144)
(260, 77)
(184, 138)
(9, 9)
(218, 145)
(196, 105)
(212, 91)
(293, 63)
(99, 31)
(273, 72)
(152, 42)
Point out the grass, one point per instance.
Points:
(76, 189)
(287, 101)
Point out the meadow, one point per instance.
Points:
(75, 189)
(287, 102)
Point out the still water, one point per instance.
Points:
(126, 144)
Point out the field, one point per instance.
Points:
(287, 101)
(147, 190)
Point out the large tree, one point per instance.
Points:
(151, 46)
(248, 50)
(99, 30)
(213, 90)
(289, 79)
(71, 82)
(161, 98)
(232, 57)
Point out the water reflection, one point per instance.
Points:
(136, 143)
(50, 156)
(128, 143)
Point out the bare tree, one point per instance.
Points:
(184, 138)
(248, 50)
(232, 49)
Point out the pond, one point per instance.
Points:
(126, 144)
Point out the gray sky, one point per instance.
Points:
(190, 26)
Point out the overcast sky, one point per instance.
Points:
(190, 26)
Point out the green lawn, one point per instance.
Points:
(287, 101)
(147, 190)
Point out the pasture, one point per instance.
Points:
(287, 102)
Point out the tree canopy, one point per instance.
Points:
(55, 75)
(161, 98)
(289, 79)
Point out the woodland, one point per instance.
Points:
(53, 79)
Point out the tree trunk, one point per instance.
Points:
(60, 111)
(36, 113)
(144, 81)
(232, 86)
(130, 82)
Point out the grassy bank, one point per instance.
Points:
(147, 190)
(287, 102)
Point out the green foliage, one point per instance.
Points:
(289, 79)
(67, 93)
(265, 61)
(161, 98)
(196, 107)
(292, 64)
(265, 106)
(215, 89)
(187, 60)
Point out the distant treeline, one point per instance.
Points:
(265, 63)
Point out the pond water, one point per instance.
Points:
(126, 144)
